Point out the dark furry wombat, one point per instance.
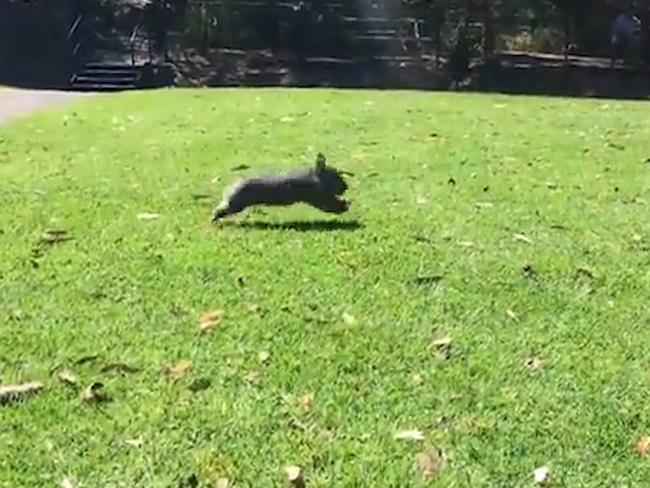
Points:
(319, 186)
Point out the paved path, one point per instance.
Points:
(15, 102)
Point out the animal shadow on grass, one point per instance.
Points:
(300, 225)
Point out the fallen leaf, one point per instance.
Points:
(241, 167)
(443, 421)
(533, 363)
(175, 371)
(95, 393)
(86, 359)
(136, 443)
(409, 435)
(529, 271)
(253, 378)
(68, 377)
(264, 357)
(417, 379)
(522, 238)
(295, 476)
(586, 272)
(443, 347)
(481, 205)
(16, 315)
(14, 393)
(120, 368)
(209, 320)
(306, 400)
(146, 216)
(199, 384)
(431, 463)
(222, 483)
(427, 280)
(643, 445)
(348, 319)
(53, 236)
(67, 483)
(541, 475)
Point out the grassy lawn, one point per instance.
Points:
(488, 287)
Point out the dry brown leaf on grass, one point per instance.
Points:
(511, 314)
(253, 378)
(533, 363)
(209, 320)
(67, 377)
(542, 475)
(442, 347)
(522, 238)
(431, 462)
(147, 216)
(466, 244)
(643, 445)
(201, 196)
(94, 393)
(200, 384)
(135, 443)
(348, 319)
(119, 368)
(13, 393)
(222, 482)
(178, 369)
(306, 400)
(89, 358)
(483, 205)
(264, 357)
(67, 483)
(409, 435)
(54, 236)
(295, 476)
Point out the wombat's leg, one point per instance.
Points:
(329, 204)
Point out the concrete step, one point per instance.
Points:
(101, 76)
(98, 87)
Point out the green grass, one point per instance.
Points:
(571, 176)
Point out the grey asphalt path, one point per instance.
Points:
(18, 102)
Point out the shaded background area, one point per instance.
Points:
(558, 47)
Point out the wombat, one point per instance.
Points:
(319, 186)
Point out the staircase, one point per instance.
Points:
(106, 76)
(107, 60)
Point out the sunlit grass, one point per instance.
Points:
(515, 227)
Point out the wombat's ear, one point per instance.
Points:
(320, 162)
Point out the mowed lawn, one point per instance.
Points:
(488, 290)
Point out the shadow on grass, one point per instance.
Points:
(300, 225)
